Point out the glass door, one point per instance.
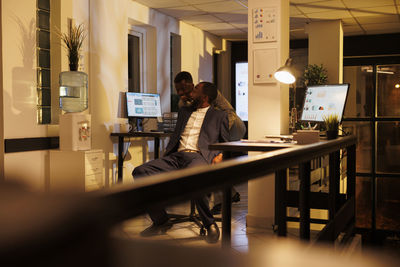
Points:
(373, 114)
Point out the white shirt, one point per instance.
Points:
(190, 135)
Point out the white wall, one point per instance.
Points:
(105, 60)
(109, 72)
(19, 88)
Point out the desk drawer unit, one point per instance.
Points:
(76, 171)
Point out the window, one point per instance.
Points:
(43, 62)
(136, 60)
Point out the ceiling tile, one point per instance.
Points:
(366, 3)
(224, 6)
(232, 17)
(294, 10)
(329, 15)
(201, 19)
(303, 1)
(321, 6)
(221, 16)
(378, 19)
(349, 21)
(299, 20)
(162, 3)
(375, 11)
(240, 25)
(230, 34)
(352, 30)
(382, 28)
(198, 2)
(180, 12)
(215, 26)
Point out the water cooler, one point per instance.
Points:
(75, 131)
(75, 127)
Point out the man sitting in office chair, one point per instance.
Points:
(197, 127)
(237, 129)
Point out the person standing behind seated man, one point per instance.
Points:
(237, 129)
(198, 126)
(184, 85)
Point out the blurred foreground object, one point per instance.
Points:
(75, 230)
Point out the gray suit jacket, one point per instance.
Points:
(214, 129)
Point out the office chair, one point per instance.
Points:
(191, 217)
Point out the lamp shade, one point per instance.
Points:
(285, 73)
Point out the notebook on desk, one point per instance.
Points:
(280, 137)
(267, 141)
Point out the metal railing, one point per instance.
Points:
(126, 201)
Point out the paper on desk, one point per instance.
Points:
(267, 141)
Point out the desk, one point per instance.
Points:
(121, 137)
(243, 146)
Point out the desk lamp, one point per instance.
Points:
(285, 73)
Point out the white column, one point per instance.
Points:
(268, 49)
(325, 46)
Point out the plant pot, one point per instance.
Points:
(332, 134)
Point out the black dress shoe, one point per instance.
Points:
(212, 233)
(156, 229)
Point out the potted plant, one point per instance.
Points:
(332, 126)
(73, 83)
(315, 74)
(73, 41)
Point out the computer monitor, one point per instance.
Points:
(324, 100)
(142, 105)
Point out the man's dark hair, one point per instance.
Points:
(183, 76)
(210, 90)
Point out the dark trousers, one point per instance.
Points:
(175, 161)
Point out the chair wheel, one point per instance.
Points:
(202, 231)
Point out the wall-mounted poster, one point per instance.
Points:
(265, 25)
(265, 65)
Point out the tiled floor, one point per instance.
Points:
(187, 233)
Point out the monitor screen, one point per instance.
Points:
(241, 90)
(323, 100)
(143, 105)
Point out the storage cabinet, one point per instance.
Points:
(76, 171)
